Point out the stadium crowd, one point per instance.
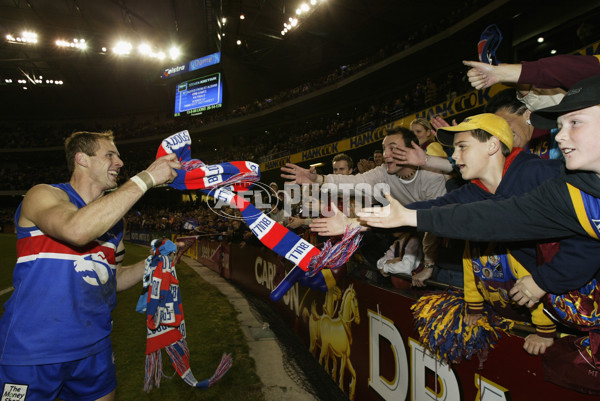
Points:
(492, 156)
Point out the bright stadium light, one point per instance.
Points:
(174, 53)
(75, 43)
(144, 49)
(122, 48)
(304, 11)
(30, 37)
(27, 37)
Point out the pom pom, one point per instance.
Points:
(440, 322)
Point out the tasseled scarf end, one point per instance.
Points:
(335, 255)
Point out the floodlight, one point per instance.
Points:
(174, 52)
(144, 49)
(122, 48)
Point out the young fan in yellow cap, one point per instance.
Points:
(568, 205)
(483, 152)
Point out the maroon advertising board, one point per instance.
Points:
(363, 336)
(209, 254)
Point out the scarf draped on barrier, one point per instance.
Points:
(222, 181)
(165, 323)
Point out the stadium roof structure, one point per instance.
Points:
(67, 80)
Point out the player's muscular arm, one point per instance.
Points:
(49, 209)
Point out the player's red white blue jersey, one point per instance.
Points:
(66, 293)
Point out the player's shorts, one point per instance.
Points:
(84, 379)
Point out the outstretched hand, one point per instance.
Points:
(438, 122)
(298, 175)
(334, 225)
(392, 215)
(413, 155)
(481, 75)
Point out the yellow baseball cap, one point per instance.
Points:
(490, 123)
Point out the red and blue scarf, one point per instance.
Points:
(165, 323)
(222, 181)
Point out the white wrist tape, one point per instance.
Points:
(140, 183)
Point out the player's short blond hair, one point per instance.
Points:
(86, 142)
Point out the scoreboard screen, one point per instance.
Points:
(198, 95)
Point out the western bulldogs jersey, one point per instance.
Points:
(61, 307)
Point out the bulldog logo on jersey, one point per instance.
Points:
(96, 265)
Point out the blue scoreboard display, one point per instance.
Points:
(198, 95)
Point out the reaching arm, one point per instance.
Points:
(482, 75)
(49, 208)
(392, 215)
(545, 213)
(298, 175)
(438, 163)
(562, 71)
(415, 156)
(335, 224)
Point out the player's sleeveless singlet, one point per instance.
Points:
(61, 307)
